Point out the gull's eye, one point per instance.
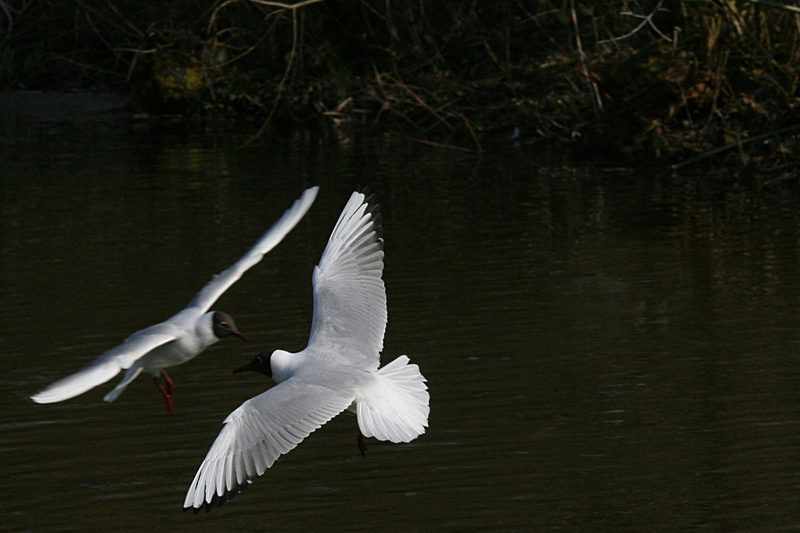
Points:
(259, 360)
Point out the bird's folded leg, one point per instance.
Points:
(166, 391)
(362, 444)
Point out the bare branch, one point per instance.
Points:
(285, 6)
(584, 68)
(777, 5)
(647, 20)
(289, 65)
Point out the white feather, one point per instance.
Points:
(395, 407)
(337, 370)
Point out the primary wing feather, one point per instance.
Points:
(257, 433)
(349, 295)
(274, 235)
(107, 365)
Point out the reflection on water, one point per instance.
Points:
(604, 352)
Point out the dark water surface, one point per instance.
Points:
(604, 352)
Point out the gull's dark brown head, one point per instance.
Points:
(260, 363)
(223, 325)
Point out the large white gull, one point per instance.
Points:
(180, 338)
(338, 370)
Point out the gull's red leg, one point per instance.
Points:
(170, 383)
(362, 444)
(166, 391)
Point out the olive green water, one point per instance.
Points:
(605, 351)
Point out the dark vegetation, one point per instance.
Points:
(680, 81)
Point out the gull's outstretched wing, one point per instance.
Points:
(108, 364)
(274, 235)
(255, 434)
(349, 295)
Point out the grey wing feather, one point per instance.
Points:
(274, 235)
(256, 434)
(349, 294)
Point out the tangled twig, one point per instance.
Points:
(647, 20)
(289, 63)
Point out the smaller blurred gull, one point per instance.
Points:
(182, 337)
